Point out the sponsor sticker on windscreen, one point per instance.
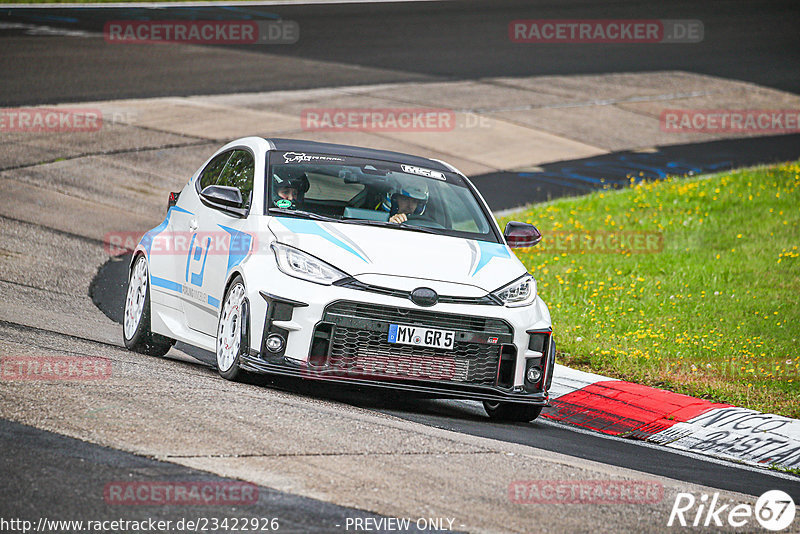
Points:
(423, 172)
(421, 337)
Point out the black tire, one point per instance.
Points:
(142, 339)
(511, 411)
(241, 328)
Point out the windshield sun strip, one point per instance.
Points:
(451, 177)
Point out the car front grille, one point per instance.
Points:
(359, 346)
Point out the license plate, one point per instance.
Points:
(421, 337)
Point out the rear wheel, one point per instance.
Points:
(233, 331)
(136, 322)
(510, 411)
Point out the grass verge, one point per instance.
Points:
(687, 284)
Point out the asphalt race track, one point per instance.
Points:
(503, 190)
(54, 465)
(319, 456)
(351, 44)
(108, 293)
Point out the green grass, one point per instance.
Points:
(712, 310)
(782, 469)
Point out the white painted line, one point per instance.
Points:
(566, 380)
(735, 434)
(738, 433)
(680, 452)
(476, 406)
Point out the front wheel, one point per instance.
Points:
(233, 331)
(136, 322)
(511, 411)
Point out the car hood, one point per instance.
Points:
(372, 253)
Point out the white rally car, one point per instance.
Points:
(331, 262)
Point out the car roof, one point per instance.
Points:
(355, 151)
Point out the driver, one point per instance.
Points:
(408, 198)
(289, 189)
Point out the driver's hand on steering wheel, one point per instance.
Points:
(398, 218)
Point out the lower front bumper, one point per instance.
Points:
(446, 390)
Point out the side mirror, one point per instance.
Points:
(521, 235)
(222, 194)
(173, 199)
(225, 198)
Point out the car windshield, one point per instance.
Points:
(373, 192)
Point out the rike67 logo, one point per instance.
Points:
(774, 511)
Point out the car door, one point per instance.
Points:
(217, 244)
(184, 223)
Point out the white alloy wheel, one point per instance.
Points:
(135, 300)
(229, 331)
(136, 319)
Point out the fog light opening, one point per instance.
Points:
(275, 343)
(534, 374)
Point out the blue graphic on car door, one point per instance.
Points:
(196, 261)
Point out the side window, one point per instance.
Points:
(463, 211)
(239, 173)
(212, 171)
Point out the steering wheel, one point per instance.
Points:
(422, 220)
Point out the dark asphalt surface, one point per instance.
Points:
(755, 41)
(46, 475)
(108, 293)
(562, 439)
(351, 44)
(503, 190)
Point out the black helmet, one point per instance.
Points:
(286, 177)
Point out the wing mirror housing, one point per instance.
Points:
(173, 199)
(521, 235)
(224, 198)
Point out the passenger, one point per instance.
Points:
(291, 187)
(288, 193)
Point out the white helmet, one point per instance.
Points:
(407, 187)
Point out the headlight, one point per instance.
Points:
(520, 292)
(305, 266)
